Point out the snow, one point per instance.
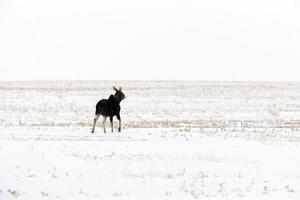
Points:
(181, 140)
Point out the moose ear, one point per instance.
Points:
(115, 89)
(120, 88)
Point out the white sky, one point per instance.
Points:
(157, 39)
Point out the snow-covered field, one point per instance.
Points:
(180, 140)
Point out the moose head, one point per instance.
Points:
(119, 94)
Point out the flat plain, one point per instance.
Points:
(180, 140)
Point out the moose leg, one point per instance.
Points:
(119, 118)
(103, 123)
(95, 120)
(111, 124)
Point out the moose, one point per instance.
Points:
(109, 108)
